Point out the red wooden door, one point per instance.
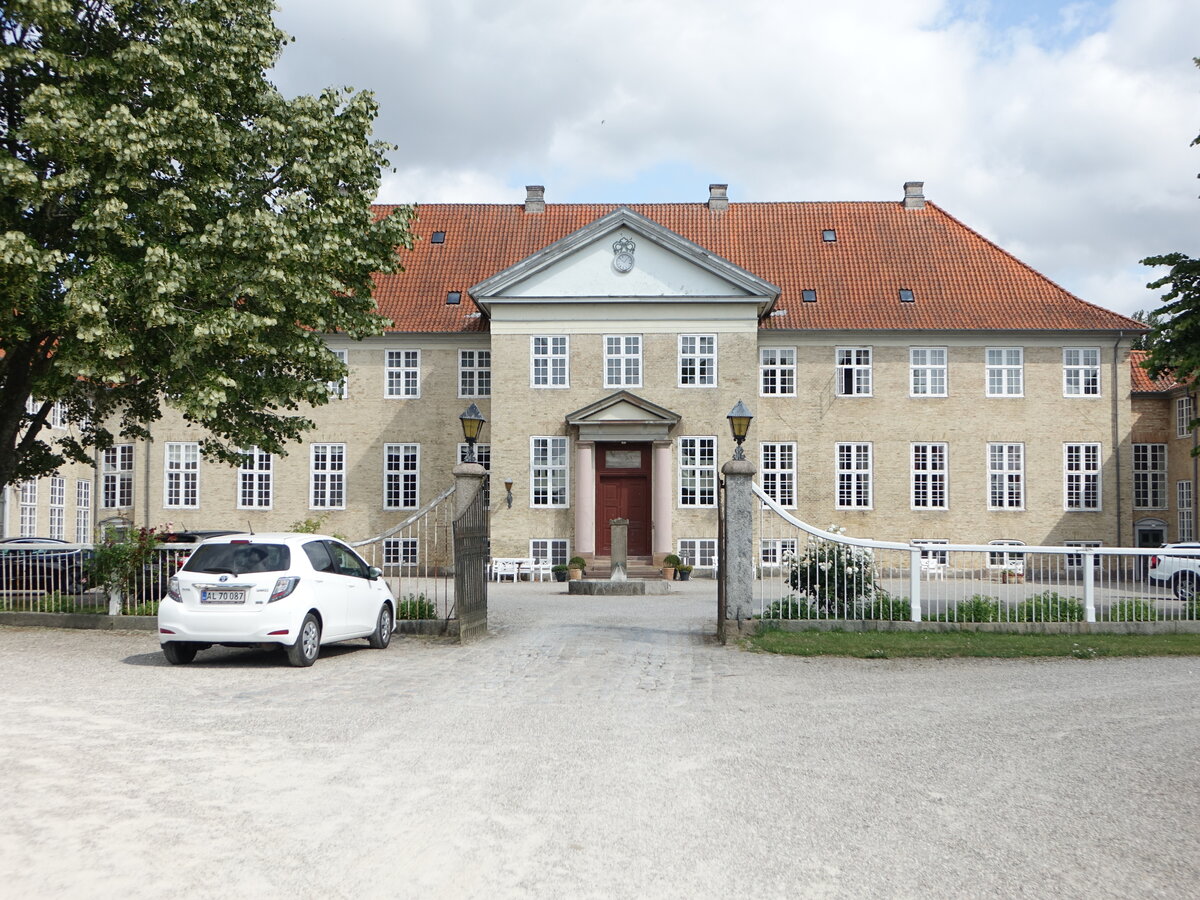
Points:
(623, 492)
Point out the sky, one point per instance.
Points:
(1059, 130)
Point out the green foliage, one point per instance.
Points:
(416, 606)
(173, 229)
(1130, 611)
(684, 568)
(978, 609)
(118, 561)
(671, 561)
(311, 525)
(837, 578)
(577, 562)
(1049, 606)
(887, 608)
(791, 608)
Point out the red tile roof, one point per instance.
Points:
(1141, 382)
(960, 280)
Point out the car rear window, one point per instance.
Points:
(239, 559)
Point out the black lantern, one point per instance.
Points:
(472, 423)
(739, 423)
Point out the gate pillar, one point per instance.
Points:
(737, 564)
(470, 551)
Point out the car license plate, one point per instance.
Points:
(222, 596)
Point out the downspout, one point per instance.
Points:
(1116, 433)
(146, 486)
(4, 511)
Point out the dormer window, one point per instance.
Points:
(809, 295)
(829, 236)
(438, 237)
(906, 296)
(453, 298)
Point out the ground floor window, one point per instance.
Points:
(929, 551)
(1183, 502)
(1006, 559)
(551, 550)
(1075, 560)
(771, 551)
(399, 551)
(29, 493)
(83, 511)
(698, 551)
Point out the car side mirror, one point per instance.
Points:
(374, 573)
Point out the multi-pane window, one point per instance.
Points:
(697, 471)
(401, 475)
(58, 416)
(117, 477)
(927, 371)
(1075, 560)
(622, 360)
(339, 390)
(929, 474)
(327, 476)
(403, 373)
(1006, 559)
(853, 476)
(854, 371)
(779, 472)
(777, 371)
(181, 489)
(58, 508)
(400, 552)
(1081, 470)
(697, 360)
(255, 480)
(1081, 372)
(938, 557)
(1185, 412)
(28, 503)
(1006, 476)
(1150, 476)
(474, 373)
(550, 550)
(548, 361)
(700, 552)
(1183, 503)
(483, 456)
(1005, 372)
(83, 511)
(548, 471)
(771, 551)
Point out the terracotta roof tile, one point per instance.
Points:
(960, 280)
(1140, 380)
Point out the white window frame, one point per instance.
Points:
(1185, 412)
(1183, 503)
(1006, 471)
(327, 476)
(340, 390)
(83, 511)
(928, 372)
(58, 508)
(778, 459)
(1149, 476)
(700, 553)
(548, 477)
(929, 468)
(624, 352)
(474, 372)
(851, 478)
(28, 508)
(256, 479)
(697, 360)
(930, 550)
(777, 372)
(550, 361)
(181, 475)
(116, 478)
(1075, 479)
(402, 476)
(402, 374)
(853, 377)
(1075, 560)
(1006, 559)
(555, 551)
(401, 552)
(1081, 372)
(772, 550)
(1004, 377)
(697, 472)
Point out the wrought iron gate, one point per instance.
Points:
(470, 565)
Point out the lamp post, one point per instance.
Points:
(739, 423)
(472, 423)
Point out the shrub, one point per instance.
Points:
(835, 577)
(1049, 606)
(1130, 611)
(791, 608)
(118, 562)
(978, 609)
(416, 606)
(577, 562)
(887, 608)
(671, 561)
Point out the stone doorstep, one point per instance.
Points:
(633, 587)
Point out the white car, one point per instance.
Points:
(1181, 571)
(297, 591)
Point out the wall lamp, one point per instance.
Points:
(508, 492)
(739, 423)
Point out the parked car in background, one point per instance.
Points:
(1180, 570)
(295, 591)
(43, 564)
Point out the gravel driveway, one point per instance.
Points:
(597, 747)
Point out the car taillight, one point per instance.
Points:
(173, 589)
(283, 587)
(1154, 562)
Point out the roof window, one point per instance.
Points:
(906, 296)
(438, 237)
(453, 298)
(809, 295)
(829, 235)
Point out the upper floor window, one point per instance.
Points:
(777, 371)
(854, 476)
(1081, 372)
(403, 373)
(927, 371)
(854, 371)
(182, 483)
(474, 373)
(1185, 412)
(117, 477)
(779, 472)
(1150, 476)
(401, 475)
(697, 471)
(1005, 371)
(697, 360)
(548, 471)
(622, 360)
(548, 364)
(1006, 476)
(929, 475)
(255, 480)
(338, 390)
(327, 476)
(1081, 476)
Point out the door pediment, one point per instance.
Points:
(622, 416)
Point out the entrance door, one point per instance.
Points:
(1148, 533)
(623, 492)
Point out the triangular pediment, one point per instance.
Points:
(621, 256)
(623, 416)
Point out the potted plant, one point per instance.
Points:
(1012, 576)
(576, 566)
(683, 571)
(560, 572)
(670, 564)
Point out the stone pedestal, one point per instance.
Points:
(737, 565)
(620, 547)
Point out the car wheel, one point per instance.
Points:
(1186, 587)
(382, 635)
(308, 643)
(179, 653)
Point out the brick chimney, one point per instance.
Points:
(718, 197)
(914, 195)
(535, 198)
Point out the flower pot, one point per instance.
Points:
(669, 573)
(682, 575)
(576, 574)
(560, 576)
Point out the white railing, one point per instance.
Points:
(810, 573)
(417, 559)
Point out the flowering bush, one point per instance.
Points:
(834, 578)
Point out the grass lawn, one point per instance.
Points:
(946, 644)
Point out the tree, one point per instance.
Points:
(1174, 341)
(1151, 319)
(172, 229)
